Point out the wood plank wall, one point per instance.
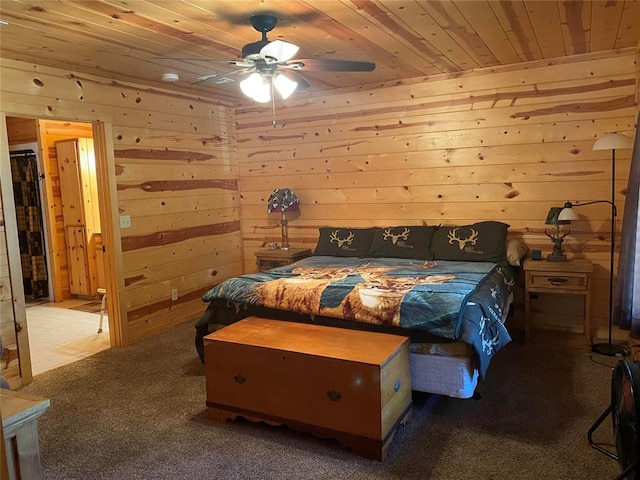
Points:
(175, 167)
(21, 130)
(500, 144)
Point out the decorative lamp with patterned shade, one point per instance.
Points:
(283, 200)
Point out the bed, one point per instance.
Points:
(448, 289)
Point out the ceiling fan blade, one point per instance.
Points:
(220, 78)
(213, 78)
(296, 77)
(242, 63)
(279, 51)
(191, 59)
(235, 63)
(330, 65)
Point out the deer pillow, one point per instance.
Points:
(479, 242)
(344, 242)
(410, 241)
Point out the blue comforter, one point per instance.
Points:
(461, 301)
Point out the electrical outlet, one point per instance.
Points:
(174, 294)
(125, 221)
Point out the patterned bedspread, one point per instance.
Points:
(462, 301)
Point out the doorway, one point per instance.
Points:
(63, 321)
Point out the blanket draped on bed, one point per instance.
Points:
(462, 301)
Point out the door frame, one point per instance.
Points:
(13, 254)
(107, 194)
(110, 225)
(112, 251)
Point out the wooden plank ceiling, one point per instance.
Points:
(120, 40)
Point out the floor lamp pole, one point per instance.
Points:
(609, 349)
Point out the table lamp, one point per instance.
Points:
(283, 200)
(556, 237)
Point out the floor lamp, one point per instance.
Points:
(613, 142)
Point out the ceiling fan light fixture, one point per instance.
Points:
(285, 86)
(265, 62)
(256, 87)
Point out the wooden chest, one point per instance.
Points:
(350, 385)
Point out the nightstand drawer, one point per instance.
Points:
(273, 258)
(268, 264)
(553, 280)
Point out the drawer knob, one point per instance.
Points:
(239, 378)
(396, 385)
(558, 281)
(333, 395)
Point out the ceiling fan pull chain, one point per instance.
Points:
(273, 105)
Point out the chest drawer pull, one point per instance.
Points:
(558, 280)
(334, 395)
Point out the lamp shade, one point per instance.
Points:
(613, 141)
(283, 200)
(284, 85)
(567, 213)
(553, 217)
(256, 87)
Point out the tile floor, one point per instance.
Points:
(59, 336)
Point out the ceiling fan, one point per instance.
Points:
(269, 65)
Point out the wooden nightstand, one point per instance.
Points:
(562, 278)
(276, 257)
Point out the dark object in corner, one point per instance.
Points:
(536, 255)
(624, 409)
